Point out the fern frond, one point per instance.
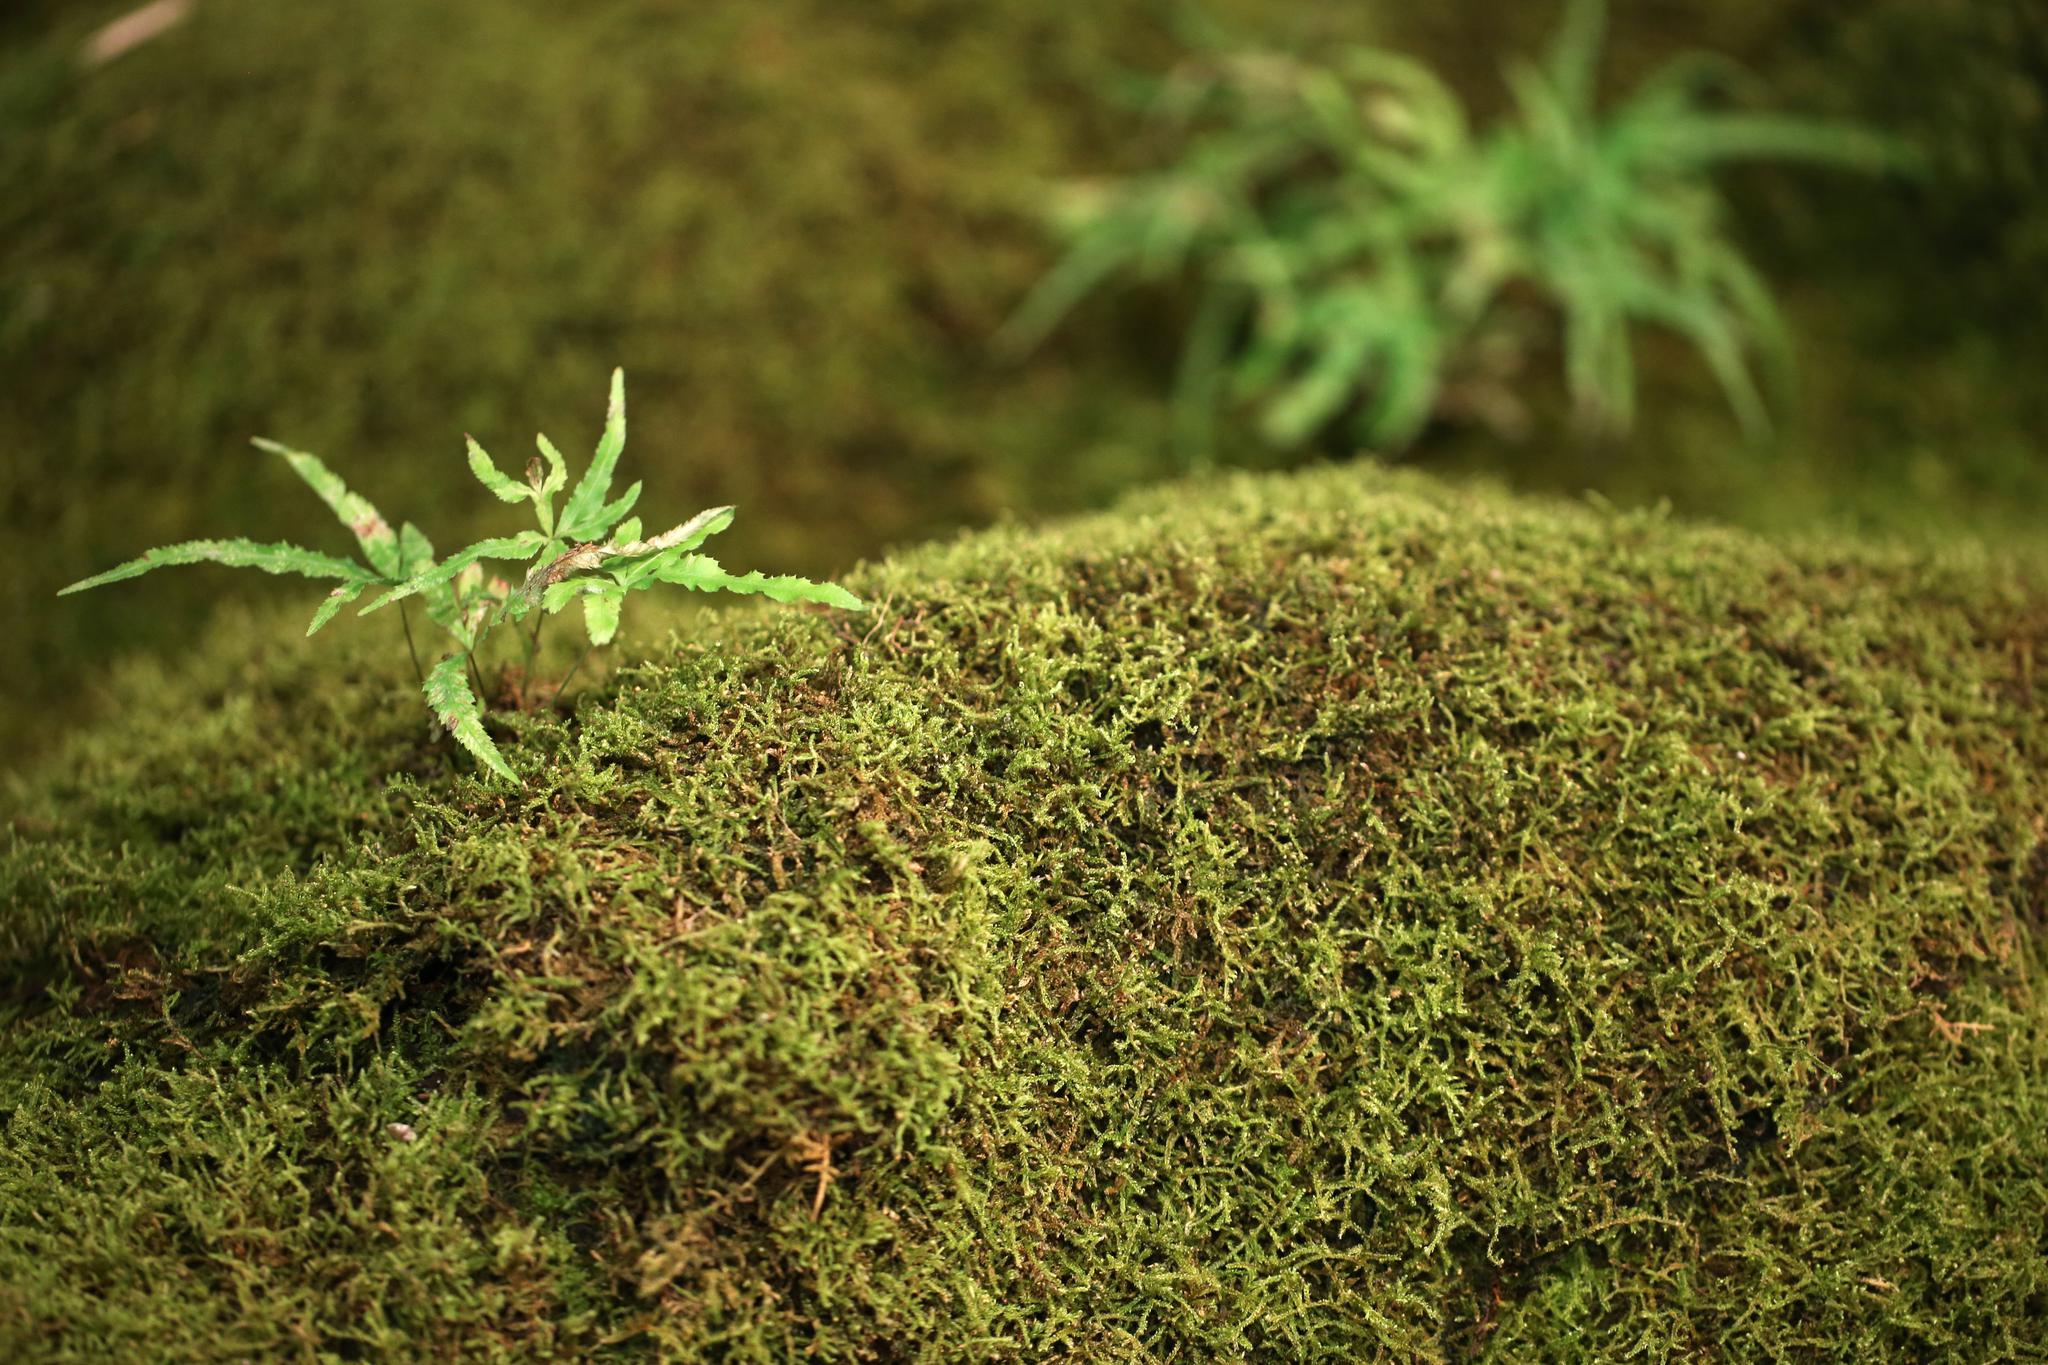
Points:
(416, 556)
(333, 603)
(455, 705)
(1301, 185)
(372, 532)
(687, 536)
(241, 554)
(1698, 140)
(545, 488)
(599, 524)
(522, 546)
(703, 574)
(601, 615)
(491, 477)
(555, 596)
(1092, 261)
(585, 516)
(1573, 66)
(415, 551)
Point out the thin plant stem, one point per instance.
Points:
(405, 615)
(533, 641)
(1195, 388)
(563, 685)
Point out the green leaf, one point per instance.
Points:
(1695, 140)
(558, 468)
(372, 532)
(557, 595)
(487, 474)
(1313, 399)
(1574, 61)
(601, 614)
(687, 536)
(1599, 370)
(333, 603)
(415, 551)
(1093, 260)
(581, 515)
(240, 554)
(1407, 394)
(1713, 333)
(543, 487)
(598, 525)
(1434, 116)
(448, 693)
(521, 546)
(703, 574)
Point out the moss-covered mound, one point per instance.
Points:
(1329, 918)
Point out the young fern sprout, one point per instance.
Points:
(1359, 251)
(589, 552)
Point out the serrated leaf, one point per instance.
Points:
(581, 512)
(598, 525)
(558, 468)
(555, 596)
(521, 546)
(687, 536)
(488, 474)
(703, 574)
(601, 615)
(416, 554)
(372, 532)
(415, 551)
(333, 603)
(543, 487)
(279, 558)
(455, 705)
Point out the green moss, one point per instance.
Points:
(1313, 918)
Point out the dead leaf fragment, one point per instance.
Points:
(133, 29)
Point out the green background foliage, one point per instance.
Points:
(796, 223)
(1321, 917)
(1362, 252)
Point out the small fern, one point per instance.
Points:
(590, 552)
(1360, 250)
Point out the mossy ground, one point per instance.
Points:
(1319, 917)
(796, 224)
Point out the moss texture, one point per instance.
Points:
(796, 223)
(1327, 917)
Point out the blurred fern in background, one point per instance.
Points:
(1359, 249)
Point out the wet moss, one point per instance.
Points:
(1332, 916)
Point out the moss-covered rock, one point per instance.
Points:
(1325, 918)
